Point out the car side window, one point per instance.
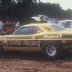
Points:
(26, 30)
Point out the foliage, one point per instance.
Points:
(23, 9)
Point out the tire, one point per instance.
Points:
(52, 51)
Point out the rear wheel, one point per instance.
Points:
(52, 51)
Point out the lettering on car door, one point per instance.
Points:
(26, 43)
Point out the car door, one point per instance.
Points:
(23, 39)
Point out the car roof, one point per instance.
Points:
(41, 25)
(35, 24)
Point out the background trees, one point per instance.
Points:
(24, 9)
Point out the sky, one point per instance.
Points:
(65, 4)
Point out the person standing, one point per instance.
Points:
(1, 27)
(17, 25)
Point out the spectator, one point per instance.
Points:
(42, 19)
(17, 25)
(1, 27)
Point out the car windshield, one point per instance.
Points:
(58, 27)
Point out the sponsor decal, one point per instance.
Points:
(53, 36)
(23, 43)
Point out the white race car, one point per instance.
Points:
(67, 24)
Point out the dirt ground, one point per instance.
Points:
(33, 62)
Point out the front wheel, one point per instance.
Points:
(52, 51)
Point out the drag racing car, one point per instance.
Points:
(49, 39)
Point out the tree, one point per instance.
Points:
(23, 9)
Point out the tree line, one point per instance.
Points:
(24, 9)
